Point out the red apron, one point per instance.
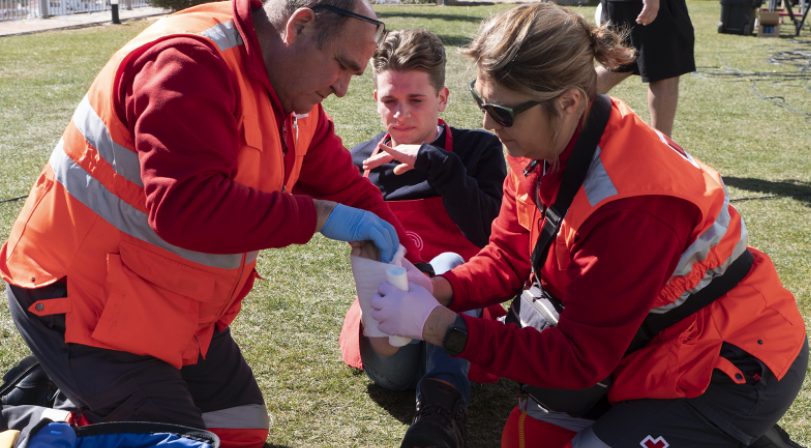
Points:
(428, 224)
(427, 221)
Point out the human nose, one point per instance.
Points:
(341, 86)
(400, 111)
(488, 123)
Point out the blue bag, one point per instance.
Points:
(120, 435)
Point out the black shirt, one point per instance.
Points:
(469, 179)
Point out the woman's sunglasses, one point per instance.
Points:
(503, 115)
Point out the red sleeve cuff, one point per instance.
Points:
(306, 217)
(459, 291)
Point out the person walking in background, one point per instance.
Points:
(644, 317)
(444, 185)
(662, 34)
(201, 142)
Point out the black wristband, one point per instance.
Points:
(425, 268)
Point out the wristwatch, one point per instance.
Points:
(455, 337)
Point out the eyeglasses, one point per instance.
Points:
(380, 27)
(503, 115)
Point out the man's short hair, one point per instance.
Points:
(414, 49)
(329, 24)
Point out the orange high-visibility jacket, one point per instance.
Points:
(86, 217)
(758, 315)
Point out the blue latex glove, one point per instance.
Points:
(353, 224)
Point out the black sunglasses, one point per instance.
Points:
(380, 27)
(503, 115)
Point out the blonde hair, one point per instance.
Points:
(542, 50)
(414, 49)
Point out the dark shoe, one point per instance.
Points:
(440, 419)
(27, 384)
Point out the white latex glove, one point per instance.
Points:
(402, 313)
(405, 154)
(417, 277)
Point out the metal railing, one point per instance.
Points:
(30, 9)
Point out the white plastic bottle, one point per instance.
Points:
(397, 276)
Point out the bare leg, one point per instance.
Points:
(663, 97)
(606, 79)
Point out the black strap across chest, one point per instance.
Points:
(573, 177)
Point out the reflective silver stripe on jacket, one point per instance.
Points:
(126, 218)
(124, 161)
(535, 410)
(710, 275)
(588, 439)
(598, 186)
(225, 35)
(249, 416)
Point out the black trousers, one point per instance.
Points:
(110, 385)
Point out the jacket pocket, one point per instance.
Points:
(153, 304)
(41, 188)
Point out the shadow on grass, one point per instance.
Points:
(273, 445)
(795, 189)
(399, 404)
(421, 15)
(490, 405)
(455, 40)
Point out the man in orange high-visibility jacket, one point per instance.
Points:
(201, 142)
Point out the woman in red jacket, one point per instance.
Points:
(644, 318)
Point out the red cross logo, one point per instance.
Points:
(650, 442)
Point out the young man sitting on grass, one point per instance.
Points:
(444, 185)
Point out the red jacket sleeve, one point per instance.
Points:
(504, 262)
(181, 103)
(328, 173)
(620, 260)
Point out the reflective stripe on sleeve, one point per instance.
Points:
(89, 191)
(245, 416)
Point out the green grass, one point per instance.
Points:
(743, 114)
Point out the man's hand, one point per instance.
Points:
(402, 313)
(405, 154)
(353, 224)
(650, 9)
(364, 249)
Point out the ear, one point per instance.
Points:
(374, 94)
(297, 24)
(570, 102)
(444, 94)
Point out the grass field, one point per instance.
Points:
(746, 111)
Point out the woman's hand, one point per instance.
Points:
(442, 290)
(402, 313)
(650, 9)
(417, 277)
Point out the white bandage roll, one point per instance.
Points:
(397, 276)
